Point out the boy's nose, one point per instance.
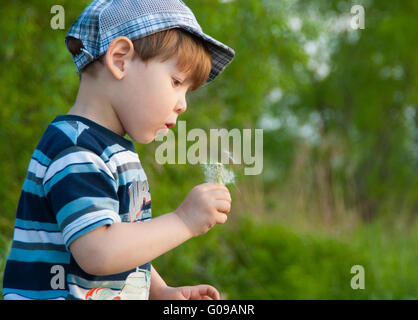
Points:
(181, 107)
(181, 103)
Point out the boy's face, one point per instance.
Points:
(150, 97)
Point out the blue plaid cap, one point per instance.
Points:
(104, 20)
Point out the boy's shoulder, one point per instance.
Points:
(67, 133)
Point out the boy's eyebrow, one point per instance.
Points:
(181, 74)
(185, 78)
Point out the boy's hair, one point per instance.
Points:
(192, 54)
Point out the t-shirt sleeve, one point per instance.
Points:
(82, 193)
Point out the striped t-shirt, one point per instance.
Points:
(80, 177)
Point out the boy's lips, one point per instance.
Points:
(164, 130)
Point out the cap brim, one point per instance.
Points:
(221, 54)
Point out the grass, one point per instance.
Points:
(256, 260)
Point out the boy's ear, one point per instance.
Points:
(118, 55)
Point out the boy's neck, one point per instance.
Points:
(96, 107)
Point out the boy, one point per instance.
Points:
(83, 228)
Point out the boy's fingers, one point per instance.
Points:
(206, 290)
(223, 206)
(186, 292)
(222, 195)
(221, 218)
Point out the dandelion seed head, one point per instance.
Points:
(216, 172)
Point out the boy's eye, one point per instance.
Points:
(176, 82)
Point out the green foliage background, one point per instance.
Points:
(339, 111)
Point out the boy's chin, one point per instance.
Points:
(143, 139)
(146, 140)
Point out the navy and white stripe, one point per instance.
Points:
(77, 180)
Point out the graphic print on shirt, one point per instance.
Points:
(139, 200)
(137, 284)
(136, 287)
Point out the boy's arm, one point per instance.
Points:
(124, 246)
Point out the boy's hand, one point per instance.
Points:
(199, 292)
(206, 205)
